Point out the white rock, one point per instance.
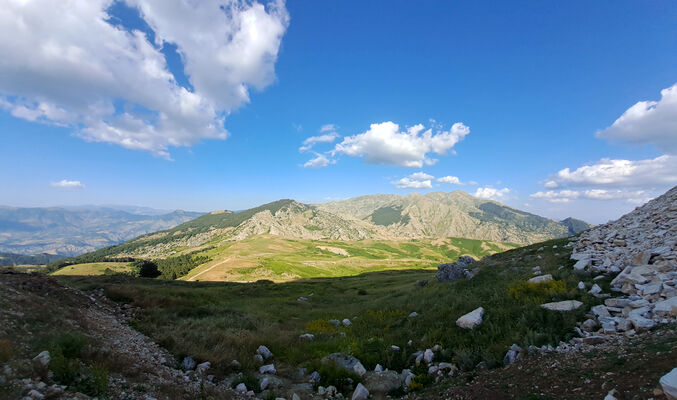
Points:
(346, 322)
(34, 394)
(666, 307)
(541, 279)
(359, 369)
(264, 383)
(378, 368)
(42, 360)
(566, 305)
(241, 388)
(203, 367)
(428, 355)
(307, 336)
(413, 315)
(267, 369)
(595, 289)
(471, 319)
(394, 348)
(581, 285)
(264, 352)
(669, 384)
(360, 393)
(611, 395)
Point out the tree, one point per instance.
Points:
(146, 269)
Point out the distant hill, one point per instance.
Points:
(576, 226)
(455, 214)
(377, 217)
(10, 259)
(69, 232)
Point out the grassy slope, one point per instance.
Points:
(94, 268)
(224, 321)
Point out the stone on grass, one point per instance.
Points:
(413, 315)
(541, 279)
(41, 361)
(188, 363)
(348, 363)
(454, 271)
(307, 336)
(428, 356)
(346, 322)
(471, 319)
(566, 305)
(315, 377)
(265, 353)
(595, 289)
(267, 369)
(581, 285)
(360, 393)
(203, 367)
(394, 348)
(242, 388)
(382, 382)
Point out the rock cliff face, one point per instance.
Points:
(456, 214)
(641, 248)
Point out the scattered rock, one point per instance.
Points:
(413, 315)
(348, 363)
(264, 352)
(203, 367)
(541, 279)
(360, 393)
(428, 355)
(382, 382)
(346, 322)
(307, 336)
(566, 305)
(267, 369)
(454, 271)
(668, 383)
(471, 319)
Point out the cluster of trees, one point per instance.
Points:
(176, 267)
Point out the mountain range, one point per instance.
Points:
(375, 217)
(69, 232)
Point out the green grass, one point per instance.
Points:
(220, 322)
(278, 259)
(99, 268)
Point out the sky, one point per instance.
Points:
(556, 108)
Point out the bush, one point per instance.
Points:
(6, 350)
(527, 292)
(69, 369)
(249, 380)
(146, 269)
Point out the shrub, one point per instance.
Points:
(527, 292)
(146, 269)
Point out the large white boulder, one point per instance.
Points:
(666, 307)
(669, 384)
(566, 305)
(471, 319)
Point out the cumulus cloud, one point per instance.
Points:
(619, 173)
(320, 161)
(565, 196)
(417, 180)
(492, 193)
(452, 180)
(66, 184)
(648, 122)
(66, 63)
(385, 143)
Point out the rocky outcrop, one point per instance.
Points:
(456, 270)
(640, 248)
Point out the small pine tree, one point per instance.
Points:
(146, 269)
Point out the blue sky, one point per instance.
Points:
(207, 107)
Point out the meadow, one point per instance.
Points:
(224, 321)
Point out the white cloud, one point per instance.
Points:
(417, 180)
(473, 183)
(385, 143)
(64, 63)
(311, 141)
(66, 184)
(565, 196)
(328, 128)
(408, 183)
(452, 180)
(620, 173)
(320, 161)
(492, 193)
(648, 122)
(551, 184)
